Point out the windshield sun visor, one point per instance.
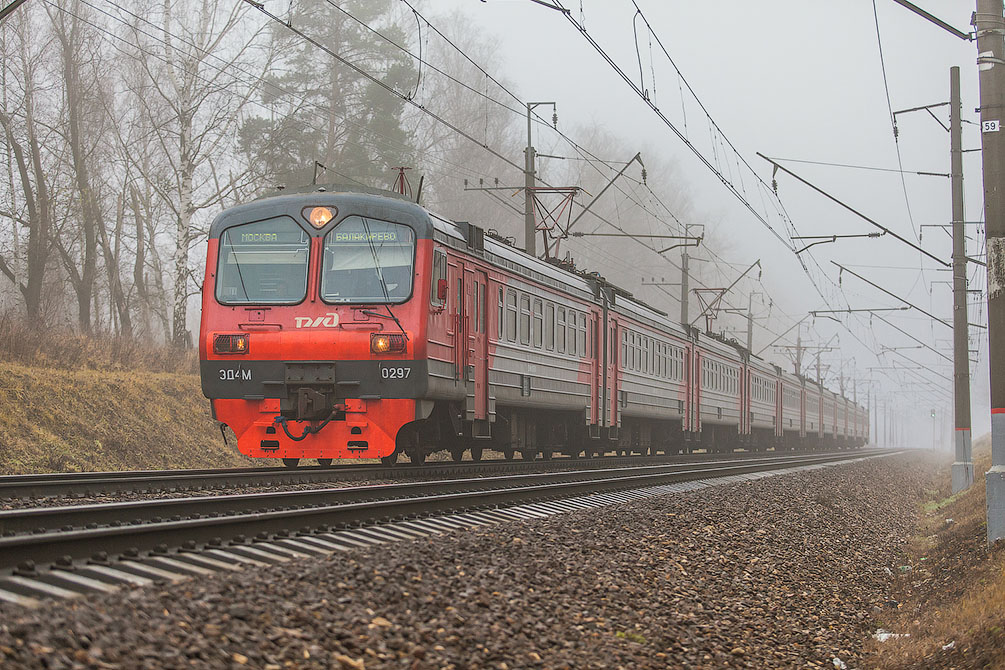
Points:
(368, 261)
(264, 262)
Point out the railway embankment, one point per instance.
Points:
(948, 601)
(60, 419)
(788, 571)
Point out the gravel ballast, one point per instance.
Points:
(785, 571)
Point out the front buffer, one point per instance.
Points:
(304, 410)
(359, 429)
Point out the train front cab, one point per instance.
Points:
(314, 308)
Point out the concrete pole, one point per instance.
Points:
(685, 317)
(886, 425)
(991, 62)
(750, 322)
(963, 467)
(799, 353)
(529, 227)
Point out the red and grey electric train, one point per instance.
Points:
(350, 323)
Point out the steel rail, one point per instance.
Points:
(65, 545)
(135, 512)
(88, 483)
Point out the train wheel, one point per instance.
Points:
(391, 459)
(417, 457)
(476, 453)
(546, 455)
(529, 454)
(508, 454)
(457, 455)
(325, 462)
(291, 463)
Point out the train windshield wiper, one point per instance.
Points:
(380, 277)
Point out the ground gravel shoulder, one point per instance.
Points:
(787, 571)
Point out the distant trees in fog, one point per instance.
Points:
(126, 126)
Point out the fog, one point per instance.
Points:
(791, 80)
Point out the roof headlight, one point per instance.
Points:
(319, 216)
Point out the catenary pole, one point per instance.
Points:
(529, 227)
(530, 181)
(963, 467)
(684, 288)
(990, 27)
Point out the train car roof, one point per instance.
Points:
(345, 200)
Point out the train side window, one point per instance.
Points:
(480, 307)
(624, 346)
(524, 319)
(439, 272)
(502, 314)
(572, 332)
(538, 323)
(477, 299)
(549, 326)
(560, 331)
(511, 315)
(484, 302)
(582, 335)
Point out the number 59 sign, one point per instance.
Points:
(990, 126)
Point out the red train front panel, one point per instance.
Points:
(312, 342)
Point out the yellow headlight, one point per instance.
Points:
(320, 216)
(381, 344)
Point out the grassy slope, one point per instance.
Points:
(953, 595)
(61, 420)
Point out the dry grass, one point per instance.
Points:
(24, 344)
(953, 598)
(85, 420)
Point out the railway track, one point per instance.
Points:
(80, 484)
(67, 550)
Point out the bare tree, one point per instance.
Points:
(197, 95)
(23, 133)
(82, 134)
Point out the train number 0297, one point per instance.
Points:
(394, 373)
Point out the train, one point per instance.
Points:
(352, 323)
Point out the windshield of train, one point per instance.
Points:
(263, 262)
(368, 261)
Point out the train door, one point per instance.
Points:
(598, 357)
(687, 420)
(476, 343)
(744, 392)
(694, 361)
(612, 408)
(779, 408)
(459, 321)
(802, 411)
